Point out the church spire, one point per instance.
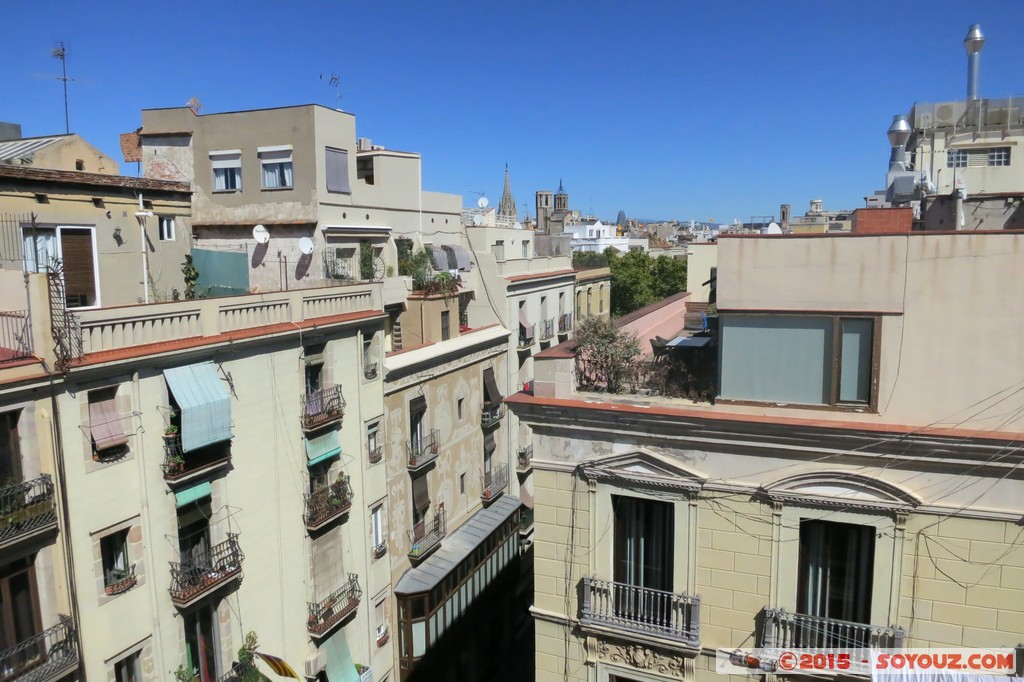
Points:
(507, 206)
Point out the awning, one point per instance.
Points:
(491, 393)
(339, 660)
(204, 403)
(440, 258)
(523, 319)
(105, 425)
(418, 404)
(420, 493)
(462, 258)
(321, 448)
(526, 496)
(197, 492)
(489, 443)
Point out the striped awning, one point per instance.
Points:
(204, 403)
(440, 258)
(105, 425)
(322, 448)
(462, 258)
(194, 494)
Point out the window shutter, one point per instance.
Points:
(77, 256)
(336, 164)
(420, 494)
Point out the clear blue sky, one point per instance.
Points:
(677, 109)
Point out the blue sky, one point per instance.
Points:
(678, 109)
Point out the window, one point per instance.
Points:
(106, 427)
(420, 504)
(999, 156)
(129, 668)
(10, 452)
(377, 525)
(526, 248)
(372, 446)
(117, 572)
(167, 228)
(202, 643)
(73, 247)
(643, 548)
(460, 408)
(79, 165)
(445, 325)
(600, 299)
(369, 364)
(313, 367)
(811, 360)
(364, 169)
(276, 163)
(462, 483)
(835, 581)
(956, 158)
(336, 166)
(227, 170)
(19, 615)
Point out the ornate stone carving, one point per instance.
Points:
(645, 658)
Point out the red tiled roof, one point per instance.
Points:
(89, 179)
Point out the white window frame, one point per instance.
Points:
(167, 228)
(377, 531)
(278, 155)
(957, 158)
(999, 157)
(55, 231)
(225, 160)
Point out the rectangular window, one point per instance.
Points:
(167, 228)
(114, 551)
(460, 408)
(364, 169)
(377, 525)
(446, 331)
(129, 668)
(19, 615)
(809, 360)
(462, 483)
(956, 158)
(276, 163)
(202, 643)
(72, 247)
(420, 504)
(999, 156)
(643, 547)
(336, 166)
(10, 451)
(371, 437)
(227, 170)
(526, 249)
(835, 580)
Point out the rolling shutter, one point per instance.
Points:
(79, 268)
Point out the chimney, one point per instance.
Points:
(9, 131)
(973, 44)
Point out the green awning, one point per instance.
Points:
(321, 448)
(340, 666)
(204, 403)
(193, 494)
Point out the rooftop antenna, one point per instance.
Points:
(61, 53)
(195, 105)
(335, 81)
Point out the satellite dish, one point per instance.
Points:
(306, 246)
(260, 234)
(478, 219)
(482, 202)
(773, 228)
(518, 225)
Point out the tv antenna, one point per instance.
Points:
(61, 53)
(335, 81)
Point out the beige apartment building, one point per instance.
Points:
(852, 485)
(68, 152)
(594, 293)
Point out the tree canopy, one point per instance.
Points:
(639, 280)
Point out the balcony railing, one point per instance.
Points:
(370, 370)
(179, 465)
(321, 407)
(641, 610)
(331, 610)
(524, 459)
(797, 630)
(26, 508)
(565, 323)
(50, 655)
(199, 576)
(526, 521)
(383, 636)
(491, 415)
(427, 535)
(423, 450)
(526, 335)
(118, 581)
(547, 329)
(15, 335)
(494, 483)
(328, 503)
(377, 454)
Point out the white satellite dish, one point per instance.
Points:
(478, 219)
(518, 225)
(773, 228)
(306, 246)
(260, 234)
(482, 202)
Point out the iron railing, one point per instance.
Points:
(526, 335)
(564, 323)
(328, 503)
(423, 450)
(332, 609)
(15, 335)
(377, 454)
(26, 507)
(49, 655)
(797, 630)
(494, 482)
(547, 329)
(200, 575)
(370, 370)
(118, 581)
(491, 415)
(427, 535)
(322, 407)
(525, 521)
(525, 458)
(178, 464)
(642, 610)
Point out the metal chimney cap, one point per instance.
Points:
(899, 131)
(974, 40)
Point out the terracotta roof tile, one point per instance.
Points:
(80, 178)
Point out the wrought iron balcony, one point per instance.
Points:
(547, 329)
(494, 483)
(526, 335)
(335, 607)
(322, 407)
(199, 576)
(641, 610)
(565, 323)
(370, 370)
(46, 657)
(26, 509)
(427, 535)
(491, 415)
(383, 636)
(796, 630)
(118, 581)
(526, 521)
(524, 459)
(376, 455)
(329, 502)
(423, 450)
(180, 466)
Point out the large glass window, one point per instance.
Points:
(201, 643)
(644, 547)
(336, 166)
(277, 168)
(227, 170)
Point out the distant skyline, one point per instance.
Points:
(666, 110)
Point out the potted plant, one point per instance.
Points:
(175, 464)
(183, 674)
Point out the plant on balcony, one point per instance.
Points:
(175, 464)
(183, 674)
(608, 353)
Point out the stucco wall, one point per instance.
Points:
(700, 258)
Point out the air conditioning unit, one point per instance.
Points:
(363, 144)
(316, 664)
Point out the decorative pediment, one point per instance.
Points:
(645, 469)
(840, 489)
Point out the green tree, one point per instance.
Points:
(669, 276)
(633, 284)
(589, 259)
(605, 356)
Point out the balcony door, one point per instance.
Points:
(19, 617)
(194, 536)
(201, 643)
(835, 580)
(643, 556)
(10, 453)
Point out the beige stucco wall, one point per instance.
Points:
(932, 150)
(593, 292)
(700, 258)
(66, 154)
